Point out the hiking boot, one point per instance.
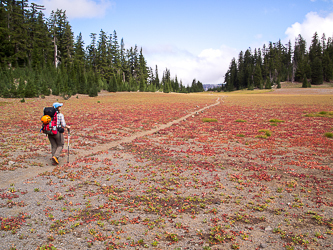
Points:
(55, 160)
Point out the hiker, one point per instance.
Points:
(57, 140)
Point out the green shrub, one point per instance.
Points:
(275, 120)
(261, 136)
(240, 120)
(320, 114)
(328, 135)
(209, 120)
(266, 131)
(240, 135)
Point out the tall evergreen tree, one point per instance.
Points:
(317, 71)
(305, 82)
(115, 51)
(30, 89)
(268, 84)
(101, 56)
(257, 78)
(231, 76)
(157, 80)
(327, 67)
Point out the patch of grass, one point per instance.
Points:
(328, 135)
(266, 131)
(261, 136)
(248, 92)
(209, 120)
(240, 135)
(240, 120)
(321, 114)
(275, 120)
(3, 103)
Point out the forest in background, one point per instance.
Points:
(39, 56)
(277, 62)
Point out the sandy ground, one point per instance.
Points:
(154, 190)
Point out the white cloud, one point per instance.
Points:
(78, 8)
(209, 67)
(312, 23)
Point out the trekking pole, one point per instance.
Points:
(69, 135)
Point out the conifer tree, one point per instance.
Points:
(231, 76)
(30, 89)
(45, 48)
(93, 91)
(79, 53)
(92, 53)
(327, 67)
(261, 84)
(21, 87)
(113, 84)
(278, 83)
(317, 72)
(257, 78)
(12, 90)
(268, 84)
(82, 81)
(44, 89)
(157, 80)
(115, 51)
(101, 54)
(142, 84)
(305, 82)
(131, 84)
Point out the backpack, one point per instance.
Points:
(49, 120)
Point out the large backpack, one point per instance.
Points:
(49, 120)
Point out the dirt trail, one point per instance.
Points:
(6, 178)
(144, 133)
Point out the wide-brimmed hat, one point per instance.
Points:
(57, 105)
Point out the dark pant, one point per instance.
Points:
(57, 144)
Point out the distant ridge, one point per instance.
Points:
(210, 86)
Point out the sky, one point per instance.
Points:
(196, 39)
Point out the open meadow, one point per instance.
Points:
(171, 171)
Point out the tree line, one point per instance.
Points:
(39, 56)
(277, 62)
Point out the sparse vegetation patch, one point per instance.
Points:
(321, 114)
(328, 134)
(189, 184)
(266, 131)
(275, 120)
(209, 120)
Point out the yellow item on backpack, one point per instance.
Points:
(46, 119)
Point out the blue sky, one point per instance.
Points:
(197, 39)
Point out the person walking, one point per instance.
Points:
(57, 141)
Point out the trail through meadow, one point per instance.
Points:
(149, 170)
